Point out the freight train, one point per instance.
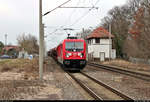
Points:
(71, 53)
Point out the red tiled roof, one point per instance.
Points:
(10, 47)
(99, 33)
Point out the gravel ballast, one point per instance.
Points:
(133, 87)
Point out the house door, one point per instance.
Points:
(102, 56)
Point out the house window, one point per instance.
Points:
(97, 41)
(88, 41)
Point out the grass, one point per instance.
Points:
(4, 61)
(17, 63)
(28, 67)
(11, 89)
(127, 64)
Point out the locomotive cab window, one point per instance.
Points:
(74, 46)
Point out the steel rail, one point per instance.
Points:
(142, 76)
(122, 95)
(93, 94)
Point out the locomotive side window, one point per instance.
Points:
(74, 46)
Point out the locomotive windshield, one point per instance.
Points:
(74, 46)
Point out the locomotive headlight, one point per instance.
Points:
(68, 54)
(80, 54)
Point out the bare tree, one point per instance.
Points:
(141, 28)
(29, 43)
(84, 33)
(131, 27)
(119, 18)
(1, 47)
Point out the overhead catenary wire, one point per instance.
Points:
(57, 29)
(91, 1)
(53, 36)
(51, 33)
(97, 2)
(54, 32)
(56, 8)
(74, 10)
(93, 6)
(69, 7)
(81, 17)
(83, 14)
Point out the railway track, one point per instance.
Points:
(97, 89)
(141, 76)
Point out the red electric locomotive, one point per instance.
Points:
(71, 53)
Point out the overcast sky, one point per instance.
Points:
(21, 16)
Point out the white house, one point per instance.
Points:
(100, 46)
(23, 54)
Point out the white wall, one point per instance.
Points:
(102, 47)
(105, 41)
(113, 53)
(23, 54)
(90, 49)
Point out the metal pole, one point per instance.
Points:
(41, 39)
(82, 33)
(5, 39)
(109, 42)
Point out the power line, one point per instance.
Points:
(56, 8)
(52, 27)
(69, 18)
(52, 32)
(85, 13)
(92, 3)
(97, 2)
(74, 10)
(81, 17)
(72, 7)
(6, 39)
